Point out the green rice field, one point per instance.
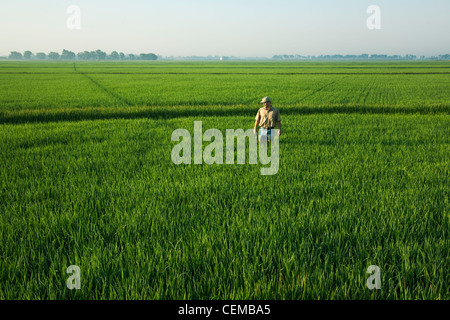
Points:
(86, 179)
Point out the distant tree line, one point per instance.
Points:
(85, 55)
(363, 56)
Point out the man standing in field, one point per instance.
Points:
(266, 117)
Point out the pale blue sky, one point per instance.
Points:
(233, 27)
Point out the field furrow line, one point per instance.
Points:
(109, 92)
(319, 89)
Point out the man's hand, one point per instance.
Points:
(254, 131)
(279, 132)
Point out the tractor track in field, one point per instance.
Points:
(368, 89)
(318, 90)
(111, 93)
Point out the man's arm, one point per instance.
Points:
(256, 124)
(279, 124)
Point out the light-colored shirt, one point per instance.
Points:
(268, 118)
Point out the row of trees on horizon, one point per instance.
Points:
(101, 55)
(363, 56)
(85, 55)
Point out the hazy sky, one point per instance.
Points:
(233, 27)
